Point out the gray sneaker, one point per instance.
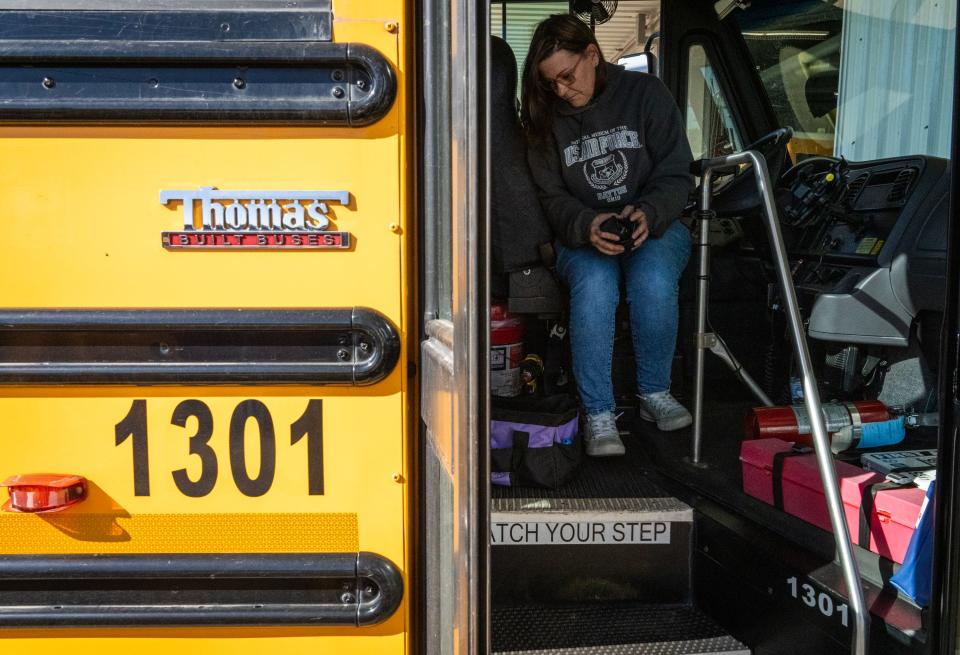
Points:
(664, 409)
(602, 437)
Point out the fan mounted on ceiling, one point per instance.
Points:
(595, 12)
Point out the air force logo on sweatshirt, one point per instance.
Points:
(604, 172)
(604, 162)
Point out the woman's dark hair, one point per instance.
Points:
(557, 32)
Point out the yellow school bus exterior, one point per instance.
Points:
(208, 413)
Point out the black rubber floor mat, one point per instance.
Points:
(606, 628)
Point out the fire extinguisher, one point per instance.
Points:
(506, 351)
(792, 422)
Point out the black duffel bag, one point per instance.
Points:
(534, 441)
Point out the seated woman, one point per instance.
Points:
(605, 143)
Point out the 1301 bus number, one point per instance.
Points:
(819, 600)
(309, 425)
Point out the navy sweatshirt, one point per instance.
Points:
(628, 146)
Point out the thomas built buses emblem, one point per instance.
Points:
(255, 219)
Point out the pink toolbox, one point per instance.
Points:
(881, 516)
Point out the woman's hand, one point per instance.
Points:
(604, 242)
(641, 230)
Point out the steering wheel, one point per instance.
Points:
(740, 194)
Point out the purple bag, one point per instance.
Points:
(534, 441)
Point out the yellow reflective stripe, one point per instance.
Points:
(79, 533)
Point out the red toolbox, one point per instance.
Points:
(881, 516)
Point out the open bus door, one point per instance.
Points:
(206, 322)
(862, 86)
(452, 187)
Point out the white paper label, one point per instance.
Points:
(561, 533)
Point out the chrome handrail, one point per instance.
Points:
(811, 396)
(709, 340)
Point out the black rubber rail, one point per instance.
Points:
(344, 346)
(347, 589)
(266, 22)
(207, 82)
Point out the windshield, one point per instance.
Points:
(863, 79)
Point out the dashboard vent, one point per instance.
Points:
(898, 191)
(854, 188)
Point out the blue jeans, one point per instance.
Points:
(651, 276)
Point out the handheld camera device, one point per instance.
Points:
(621, 227)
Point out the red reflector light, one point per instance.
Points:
(43, 492)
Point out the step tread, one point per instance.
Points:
(603, 485)
(614, 629)
(606, 477)
(658, 505)
(629, 494)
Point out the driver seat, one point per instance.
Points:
(519, 229)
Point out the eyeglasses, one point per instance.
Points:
(567, 78)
